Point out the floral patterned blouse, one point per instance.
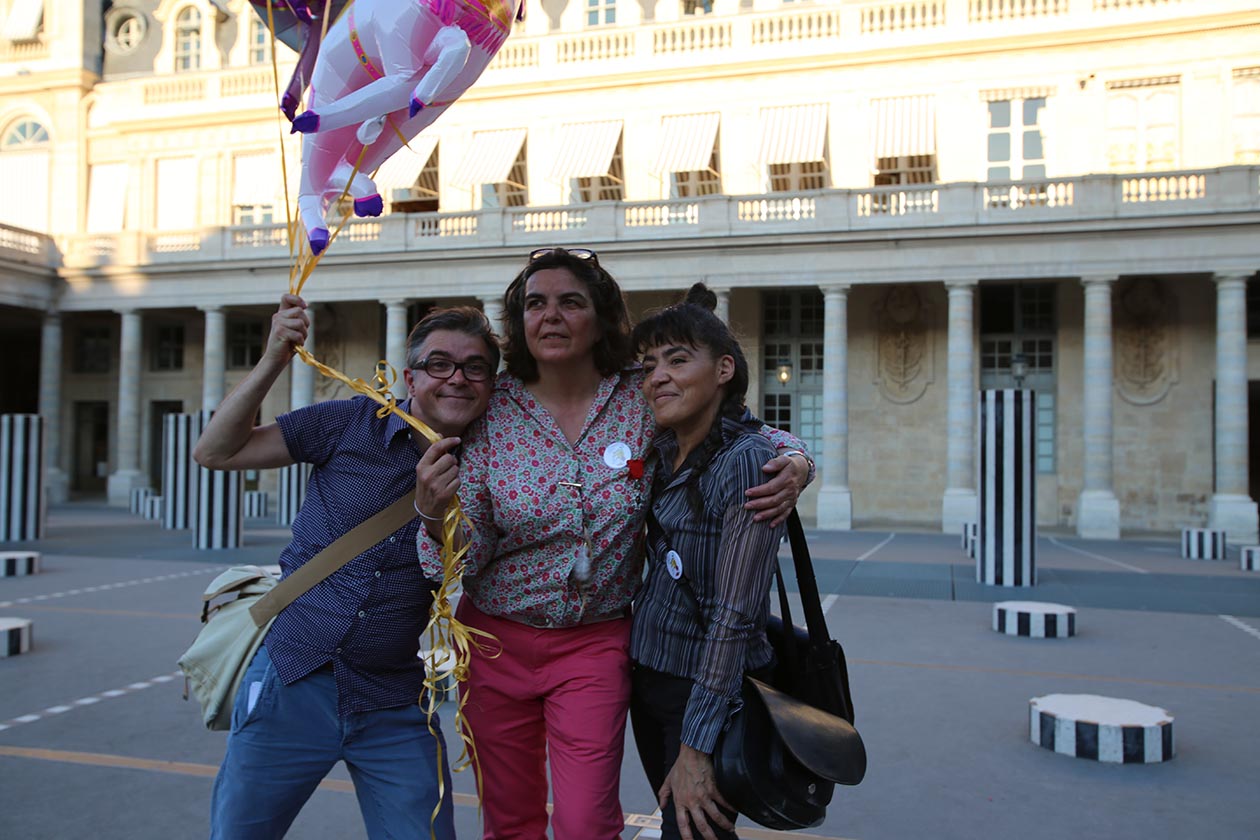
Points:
(541, 506)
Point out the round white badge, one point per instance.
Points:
(617, 455)
(673, 564)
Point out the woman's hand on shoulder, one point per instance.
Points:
(693, 787)
(776, 498)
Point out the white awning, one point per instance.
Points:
(585, 150)
(403, 168)
(107, 198)
(490, 157)
(176, 194)
(255, 179)
(24, 200)
(687, 142)
(793, 134)
(904, 126)
(23, 21)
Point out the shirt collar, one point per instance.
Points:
(395, 424)
(666, 442)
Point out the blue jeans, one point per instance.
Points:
(285, 739)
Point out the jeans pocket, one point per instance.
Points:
(256, 691)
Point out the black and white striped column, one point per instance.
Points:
(1006, 549)
(1034, 619)
(155, 508)
(15, 636)
(140, 500)
(179, 471)
(22, 508)
(1101, 728)
(219, 507)
(1203, 544)
(1249, 558)
(292, 491)
(255, 504)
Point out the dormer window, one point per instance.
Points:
(188, 40)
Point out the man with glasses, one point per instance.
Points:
(338, 677)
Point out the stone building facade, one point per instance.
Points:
(899, 202)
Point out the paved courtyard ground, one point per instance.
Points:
(95, 740)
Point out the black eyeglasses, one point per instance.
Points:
(439, 367)
(579, 253)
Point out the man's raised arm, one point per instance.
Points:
(231, 441)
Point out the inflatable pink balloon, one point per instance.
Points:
(399, 62)
(297, 24)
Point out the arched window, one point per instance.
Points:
(24, 165)
(188, 39)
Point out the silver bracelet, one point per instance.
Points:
(790, 452)
(424, 515)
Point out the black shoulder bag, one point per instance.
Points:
(792, 740)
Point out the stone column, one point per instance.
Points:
(126, 473)
(959, 503)
(214, 358)
(55, 479)
(396, 341)
(302, 375)
(1098, 510)
(493, 307)
(1232, 509)
(835, 502)
(723, 309)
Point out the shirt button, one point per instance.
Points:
(338, 651)
(362, 613)
(378, 572)
(393, 539)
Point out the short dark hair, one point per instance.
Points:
(612, 349)
(465, 319)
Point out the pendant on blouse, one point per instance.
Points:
(673, 564)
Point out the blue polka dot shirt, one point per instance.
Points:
(366, 618)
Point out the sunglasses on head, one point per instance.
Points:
(578, 253)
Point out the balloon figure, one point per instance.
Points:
(395, 63)
(298, 26)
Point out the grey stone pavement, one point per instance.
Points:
(95, 740)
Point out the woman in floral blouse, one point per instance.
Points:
(554, 483)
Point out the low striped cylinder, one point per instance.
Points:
(255, 504)
(17, 636)
(974, 540)
(155, 508)
(179, 471)
(1101, 728)
(1202, 544)
(292, 486)
(140, 500)
(1249, 559)
(1006, 540)
(19, 563)
(22, 506)
(1034, 619)
(968, 539)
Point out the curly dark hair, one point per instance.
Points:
(612, 350)
(693, 323)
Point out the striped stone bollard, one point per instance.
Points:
(179, 471)
(1202, 544)
(19, 563)
(220, 505)
(140, 500)
(1101, 728)
(155, 508)
(1034, 619)
(22, 505)
(292, 486)
(1006, 540)
(969, 539)
(255, 504)
(16, 635)
(1249, 559)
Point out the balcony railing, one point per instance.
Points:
(1098, 198)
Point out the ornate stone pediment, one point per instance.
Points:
(1146, 356)
(903, 350)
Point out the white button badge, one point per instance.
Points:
(617, 455)
(673, 564)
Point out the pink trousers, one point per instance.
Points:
(559, 691)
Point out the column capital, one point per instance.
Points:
(1098, 280)
(962, 284)
(1230, 278)
(211, 307)
(393, 302)
(841, 289)
(127, 310)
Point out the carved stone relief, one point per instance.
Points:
(903, 352)
(330, 348)
(1145, 341)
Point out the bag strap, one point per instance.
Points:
(815, 621)
(342, 550)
